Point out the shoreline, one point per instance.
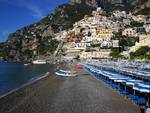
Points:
(30, 82)
(56, 94)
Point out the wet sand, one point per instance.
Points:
(53, 94)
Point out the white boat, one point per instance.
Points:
(39, 62)
(27, 64)
(65, 74)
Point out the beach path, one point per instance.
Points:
(53, 94)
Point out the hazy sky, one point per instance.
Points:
(15, 14)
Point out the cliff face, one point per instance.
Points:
(108, 1)
(143, 8)
(38, 39)
(115, 4)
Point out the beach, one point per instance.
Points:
(54, 94)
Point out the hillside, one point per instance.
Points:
(143, 8)
(127, 5)
(38, 39)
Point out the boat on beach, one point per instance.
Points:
(66, 73)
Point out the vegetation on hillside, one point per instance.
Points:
(141, 53)
(66, 15)
(62, 18)
(47, 45)
(145, 11)
(115, 53)
(125, 41)
(136, 24)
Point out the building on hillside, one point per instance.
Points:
(144, 40)
(104, 34)
(141, 31)
(147, 28)
(109, 44)
(106, 45)
(115, 43)
(70, 48)
(77, 30)
(76, 47)
(82, 46)
(130, 32)
(127, 21)
(95, 55)
(97, 18)
(139, 18)
(119, 14)
(87, 39)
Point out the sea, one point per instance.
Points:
(14, 75)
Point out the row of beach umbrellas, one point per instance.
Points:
(136, 84)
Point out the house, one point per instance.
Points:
(115, 43)
(119, 14)
(87, 39)
(127, 21)
(139, 18)
(147, 28)
(95, 55)
(77, 30)
(130, 32)
(82, 46)
(104, 34)
(144, 40)
(106, 45)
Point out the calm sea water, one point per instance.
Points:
(15, 74)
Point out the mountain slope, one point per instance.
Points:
(109, 5)
(38, 39)
(143, 8)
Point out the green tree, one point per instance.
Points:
(115, 53)
(141, 53)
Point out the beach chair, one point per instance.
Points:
(132, 97)
(140, 101)
(123, 92)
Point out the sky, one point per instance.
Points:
(15, 14)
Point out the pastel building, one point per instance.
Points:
(104, 34)
(87, 39)
(82, 46)
(95, 55)
(144, 40)
(131, 32)
(147, 28)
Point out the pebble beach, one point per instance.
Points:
(54, 94)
